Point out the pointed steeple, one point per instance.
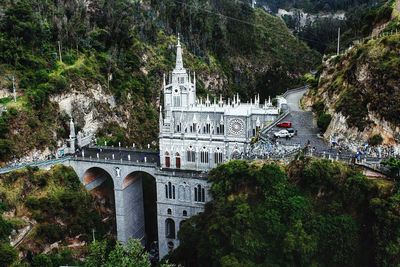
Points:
(179, 59)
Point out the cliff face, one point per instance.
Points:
(361, 90)
(62, 54)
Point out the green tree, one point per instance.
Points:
(7, 255)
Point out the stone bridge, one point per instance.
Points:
(179, 193)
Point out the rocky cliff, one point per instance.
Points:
(361, 89)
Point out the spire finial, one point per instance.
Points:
(179, 59)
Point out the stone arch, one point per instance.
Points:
(94, 173)
(101, 185)
(138, 197)
(170, 228)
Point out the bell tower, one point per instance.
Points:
(179, 86)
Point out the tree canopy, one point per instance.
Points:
(317, 213)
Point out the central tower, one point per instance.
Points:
(179, 87)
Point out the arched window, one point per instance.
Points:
(204, 156)
(169, 228)
(170, 191)
(199, 194)
(169, 211)
(167, 160)
(218, 156)
(191, 155)
(177, 161)
(184, 213)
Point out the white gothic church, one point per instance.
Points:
(199, 134)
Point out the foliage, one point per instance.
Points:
(375, 140)
(322, 214)
(61, 207)
(7, 255)
(394, 166)
(132, 254)
(320, 32)
(323, 121)
(61, 258)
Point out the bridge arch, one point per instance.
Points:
(101, 185)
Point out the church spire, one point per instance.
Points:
(179, 60)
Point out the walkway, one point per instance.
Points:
(42, 164)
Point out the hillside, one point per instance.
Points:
(361, 88)
(49, 216)
(102, 63)
(310, 213)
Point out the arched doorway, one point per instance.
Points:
(140, 202)
(177, 161)
(167, 160)
(101, 186)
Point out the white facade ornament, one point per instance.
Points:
(117, 172)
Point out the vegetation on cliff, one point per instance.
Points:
(49, 207)
(62, 47)
(318, 213)
(362, 82)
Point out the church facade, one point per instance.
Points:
(197, 135)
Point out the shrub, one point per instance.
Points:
(7, 255)
(375, 140)
(323, 121)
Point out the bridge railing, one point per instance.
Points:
(116, 161)
(128, 149)
(294, 90)
(33, 164)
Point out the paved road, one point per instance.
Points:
(303, 122)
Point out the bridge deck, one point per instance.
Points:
(132, 157)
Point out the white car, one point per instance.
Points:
(282, 133)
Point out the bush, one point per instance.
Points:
(375, 140)
(7, 255)
(323, 121)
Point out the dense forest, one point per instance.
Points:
(310, 213)
(317, 22)
(316, 6)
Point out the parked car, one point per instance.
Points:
(285, 124)
(292, 132)
(281, 133)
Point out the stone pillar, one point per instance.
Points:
(130, 211)
(120, 215)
